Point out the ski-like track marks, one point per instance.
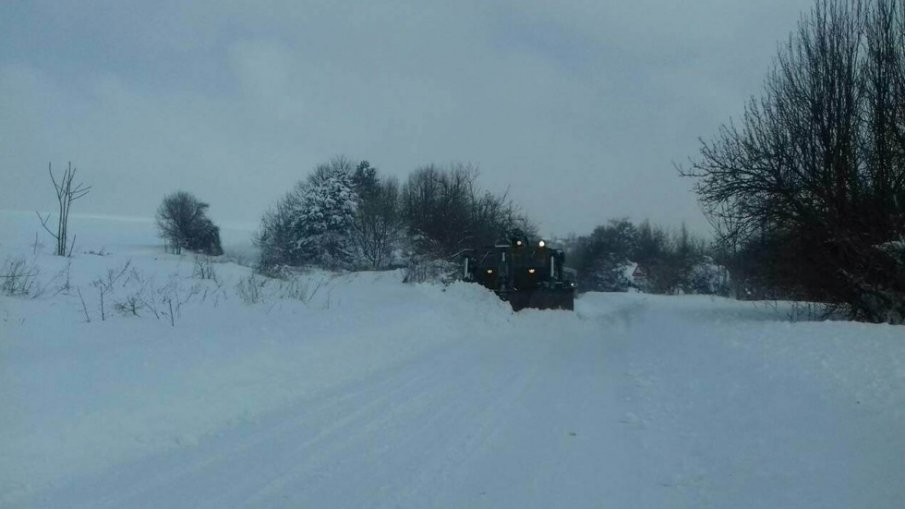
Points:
(398, 433)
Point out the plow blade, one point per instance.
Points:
(540, 299)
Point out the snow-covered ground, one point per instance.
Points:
(359, 391)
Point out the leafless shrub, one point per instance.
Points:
(427, 270)
(204, 268)
(284, 272)
(174, 296)
(143, 297)
(811, 311)
(256, 288)
(150, 303)
(105, 285)
(18, 277)
(297, 288)
(251, 288)
(214, 292)
(130, 305)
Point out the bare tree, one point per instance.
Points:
(447, 213)
(814, 173)
(66, 194)
(377, 227)
(105, 285)
(435, 204)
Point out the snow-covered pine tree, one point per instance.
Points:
(323, 216)
(276, 238)
(312, 224)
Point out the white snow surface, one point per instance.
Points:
(373, 393)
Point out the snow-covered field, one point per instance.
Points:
(359, 391)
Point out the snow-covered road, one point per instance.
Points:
(636, 402)
(360, 391)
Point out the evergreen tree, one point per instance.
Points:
(313, 224)
(324, 217)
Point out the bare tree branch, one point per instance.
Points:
(66, 194)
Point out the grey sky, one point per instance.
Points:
(578, 107)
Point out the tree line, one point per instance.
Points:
(346, 215)
(622, 256)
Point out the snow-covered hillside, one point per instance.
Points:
(356, 390)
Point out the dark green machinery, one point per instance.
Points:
(525, 273)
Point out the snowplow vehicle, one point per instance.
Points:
(525, 273)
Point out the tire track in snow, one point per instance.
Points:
(439, 427)
(399, 433)
(338, 410)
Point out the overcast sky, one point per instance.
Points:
(578, 107)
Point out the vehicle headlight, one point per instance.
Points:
(530, 271)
